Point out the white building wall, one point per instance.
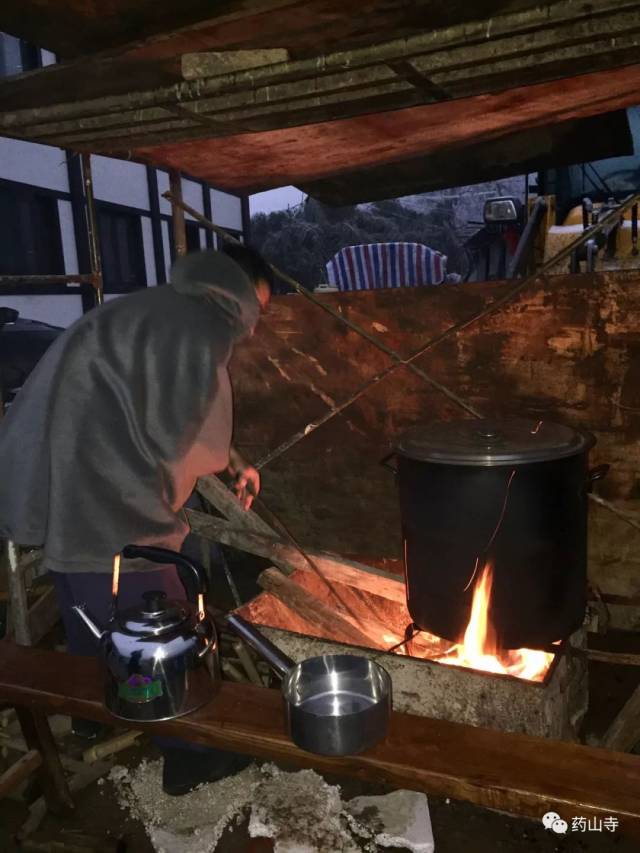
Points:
(226, 210)
(10, 55)
(120, 182)
(35, 164)
(69, 248)
(166, 248)
(58, 310)
(192, 195)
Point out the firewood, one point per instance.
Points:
(19, 771)
(332, 567)
(247, 663)
(624, 732)
(616, 658)
(110, 747)
(328, 620)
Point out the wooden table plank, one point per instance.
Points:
(515, 773)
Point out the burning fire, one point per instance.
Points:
(478, 648)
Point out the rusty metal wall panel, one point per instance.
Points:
(568, 349)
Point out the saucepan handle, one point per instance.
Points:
(265, 648)
(164, 555)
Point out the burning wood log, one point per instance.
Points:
(331, 622)
(331, 567)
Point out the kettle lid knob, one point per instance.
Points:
(154, 601)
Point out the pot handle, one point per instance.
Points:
(265, 648)
(164, 555)
(597, 473)
(386, 464)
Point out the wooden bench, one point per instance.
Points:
(510, 772)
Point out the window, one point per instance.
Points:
(193, 236)
(122, 250)
(30, 56)
(17, 56)
(30, 239)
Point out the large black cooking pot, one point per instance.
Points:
(512, 493)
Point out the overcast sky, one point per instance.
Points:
(271, 200)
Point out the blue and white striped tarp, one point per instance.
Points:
(378, 265)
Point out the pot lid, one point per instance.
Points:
(156, 615)
(492, 442)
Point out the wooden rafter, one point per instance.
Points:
(455, 62)
(257, 161)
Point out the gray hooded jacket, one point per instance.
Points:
(104, 443)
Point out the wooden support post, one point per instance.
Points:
(92, 230)
(177, 214)
(624, 732)
(37, 734)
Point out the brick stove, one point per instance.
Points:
(552, 707)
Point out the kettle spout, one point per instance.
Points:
(81, 611)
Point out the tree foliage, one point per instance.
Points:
(301, 240)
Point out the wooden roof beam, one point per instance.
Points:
(215, 63)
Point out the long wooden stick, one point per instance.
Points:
(332, 568)
(332, 623)
(214, 490)
(615, 658)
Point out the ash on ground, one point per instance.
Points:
(299, 811)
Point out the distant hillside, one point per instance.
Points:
(302, 239)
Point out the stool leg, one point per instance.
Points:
(37, 734)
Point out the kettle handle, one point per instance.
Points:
(164, 555)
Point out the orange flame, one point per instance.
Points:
(478, 647)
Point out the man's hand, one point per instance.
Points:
(246, 479)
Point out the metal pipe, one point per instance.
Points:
(92, 230)
(47, 279)
(177, 213)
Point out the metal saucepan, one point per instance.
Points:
(334, 704)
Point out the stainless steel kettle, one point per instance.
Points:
(162, 656)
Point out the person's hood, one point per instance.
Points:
(215, 277)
